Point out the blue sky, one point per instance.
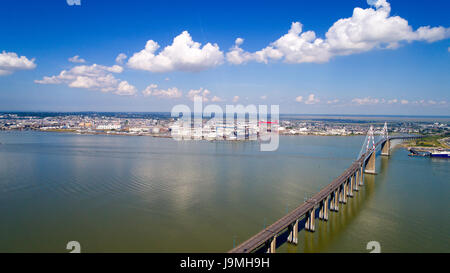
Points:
(378, 59)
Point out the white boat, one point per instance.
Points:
(440, 153)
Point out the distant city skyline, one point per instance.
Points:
(353, 57)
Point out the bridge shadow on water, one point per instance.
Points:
(328, 231)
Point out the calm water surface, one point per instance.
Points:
(128, 194)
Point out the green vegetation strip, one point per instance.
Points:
(430, 141)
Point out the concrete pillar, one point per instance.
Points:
(385, 150)
(350, 188)
(321, 208)
(293, 235)
(344, 195)
(309, 224)
(336, 200)
(332, 197)
(341, 192)
(356, 181)
(325, 212)
(370, 164)
(273, 245)
(361, 176)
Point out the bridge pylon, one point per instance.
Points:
(370, 148)
(386, 146)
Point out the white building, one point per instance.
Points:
(109, 127)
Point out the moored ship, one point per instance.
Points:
(440, 153)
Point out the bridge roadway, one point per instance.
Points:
(282, 224)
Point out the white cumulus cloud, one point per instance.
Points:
(216, 99)
(299, 99)
(312, 99)
(76, 59)
(120, 58)
(183, 54)
(203, 93)
(171, 93)
(366, 101)
(373, 101)
(365, 30)
(10, 62)
(125, 89)
(237, 55)
(93, 77)
(332, 101)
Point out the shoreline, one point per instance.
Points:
(158, 135)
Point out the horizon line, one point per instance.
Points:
(284, 114)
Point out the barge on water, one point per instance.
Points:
(429, 152)
(440, 153)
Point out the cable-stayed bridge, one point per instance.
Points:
(326, 200)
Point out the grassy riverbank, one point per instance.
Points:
(431, 141)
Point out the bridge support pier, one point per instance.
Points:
(293, 235)
(332, 201)
(272, 245)
(336, 200)
(385, 150)
(343, 194)
(361, 176)
(321, 210)
(310, 225)
(370, 165)
(356, 180)
(346, 192)
(323, 213)
(350, 186)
